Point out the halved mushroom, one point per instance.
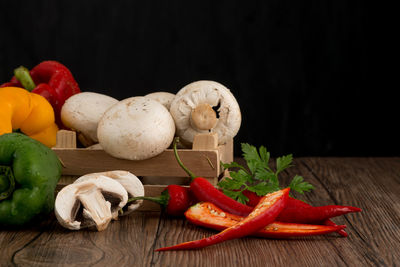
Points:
(164, 98)
(82, 112)
(129, 181)
(89, 203)
(205, 106)
(136, 128)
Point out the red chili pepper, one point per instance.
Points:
(297, 211)
(203, 190)
(340, 232)
(175, 199)
(253, 198)
(54, 82)
(210, 216)
(263, 214)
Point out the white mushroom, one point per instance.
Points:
(89, 203)
(205, 106)
(82, 112)
(136, 128)
(129, 181)
(164, 98)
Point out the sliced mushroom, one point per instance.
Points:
(82, 112)
(129, 181)
(90, 203)
(136, 128)
(205, 106)
(164, 98)
(94, 147)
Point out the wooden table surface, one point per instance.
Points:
(372, 184)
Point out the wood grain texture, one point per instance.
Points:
(374, 234)
(82, 161)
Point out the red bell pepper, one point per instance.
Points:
(174, 199)
(50, 79)
(263, 214)
(210, 216)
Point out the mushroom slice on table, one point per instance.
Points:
(206, 106)
(82, 112)
(136, 128)
(89, 203)
(164, 98)
(129, 181)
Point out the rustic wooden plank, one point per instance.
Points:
(370, 183)
(361, 183)
(82, 161)
(14, 240)
(127, 242)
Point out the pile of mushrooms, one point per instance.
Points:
(142, 127)
(95, 199)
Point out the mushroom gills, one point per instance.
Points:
(95, 206)
(128, 181)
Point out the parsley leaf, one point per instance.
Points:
(258, 177)
(299, 185)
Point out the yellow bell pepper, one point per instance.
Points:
(31, 113)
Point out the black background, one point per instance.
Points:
(305, 73)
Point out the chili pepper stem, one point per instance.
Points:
(159, 200)
(191, 174)
(23, 76)
(6, 173)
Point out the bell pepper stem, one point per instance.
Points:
(6, 174)
(191, 174)
(23, 76)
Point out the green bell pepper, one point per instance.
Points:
(29, 172)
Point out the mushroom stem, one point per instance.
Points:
(203, 117)
(191, 174)
(96, 207)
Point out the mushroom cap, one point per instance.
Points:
(82, 112)
(129, 181)
(192, 110)
(164, 98)
(100, 197)
(136, 128)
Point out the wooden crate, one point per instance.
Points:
(203, 160)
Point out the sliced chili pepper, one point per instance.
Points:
(340, 232)
(203, 190)
(174, 199)
(297, 211)
(262, 215)
(210, 216)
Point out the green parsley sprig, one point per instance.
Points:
(259, 177)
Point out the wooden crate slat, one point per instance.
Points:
(82, 161)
